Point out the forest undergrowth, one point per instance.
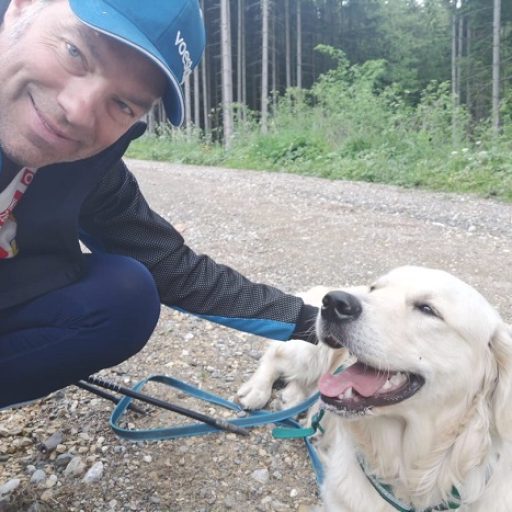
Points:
(352, 126)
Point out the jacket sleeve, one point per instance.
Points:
(118, 219)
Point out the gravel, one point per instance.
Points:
(59, 453)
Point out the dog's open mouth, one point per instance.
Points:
(361, 387)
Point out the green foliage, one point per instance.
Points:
(350, 125)
(176, 146)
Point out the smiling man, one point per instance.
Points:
(68, 92)
(76, 76)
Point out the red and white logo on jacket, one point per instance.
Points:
(9, 198)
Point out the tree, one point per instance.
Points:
(455, 73)
(197, 99)
(288, 53)
(299, 44)
(264, 65)
(188, 104)
(227, 73)
(240, 60)
(496, 29)
(421, 41)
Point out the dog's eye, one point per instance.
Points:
(372, 288)
(426, 309)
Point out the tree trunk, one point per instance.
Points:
(197, 99)
(455, 98)
(239, 56)
(188, 106)
(288, 53)
(264, 65)
(150, 120)
(206, 97)
(273, 92)
(496, 29)
(227, 73)
(460, 38)
(206, 91)
(244, 66)
(469, 98)
(299, 44)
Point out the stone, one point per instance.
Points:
(47, 495)
(38, 476)
(63, 460)
(75, 468)
(52, 442)
(9, 486)
(51, 481)
(260, 475)
(95, 473)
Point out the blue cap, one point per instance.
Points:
(170, 32)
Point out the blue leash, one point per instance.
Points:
(285, 417)
(288, 428)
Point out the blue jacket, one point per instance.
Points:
(98, 200)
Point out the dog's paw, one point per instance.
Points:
(292, 395)
(253, 395)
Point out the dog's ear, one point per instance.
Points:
(501, 348)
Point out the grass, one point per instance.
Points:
(485, 172)
(348, 128)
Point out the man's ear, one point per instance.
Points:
(15, 9)
(20, 4)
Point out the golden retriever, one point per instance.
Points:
(425, 407)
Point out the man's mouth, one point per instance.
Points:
(48, 131)
(360, 387)
(51, 128)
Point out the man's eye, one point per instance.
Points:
(73, 51)
(124, 107)
(73, 59)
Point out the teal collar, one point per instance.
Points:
(386, 492)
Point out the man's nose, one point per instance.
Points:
(80, 101)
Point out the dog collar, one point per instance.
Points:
(386, 492)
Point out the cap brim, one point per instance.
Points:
(113, 24)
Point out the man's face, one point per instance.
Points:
(67, 92)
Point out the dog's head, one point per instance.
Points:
(422, 339)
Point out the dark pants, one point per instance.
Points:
(70, 333)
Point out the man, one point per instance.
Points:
(76, 75)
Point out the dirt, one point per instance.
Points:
(290, 231)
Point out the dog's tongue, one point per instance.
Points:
(363, 379)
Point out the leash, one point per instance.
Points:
(386, 492)
(286, 433)
(157, 402)
(289, 428)
(285, 418)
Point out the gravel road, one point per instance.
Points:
(290, 231)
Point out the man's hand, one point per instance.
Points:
(305, 326)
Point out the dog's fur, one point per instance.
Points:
(456, 431)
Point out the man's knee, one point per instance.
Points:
(132, 302)
(70, 333)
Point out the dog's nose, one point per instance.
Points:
(340, 306)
